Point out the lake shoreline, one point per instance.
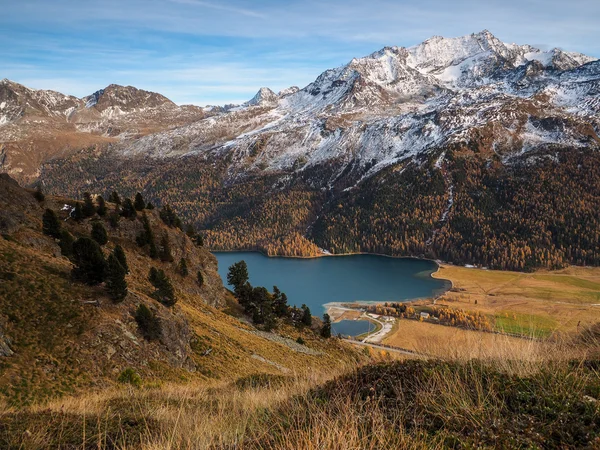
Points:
(361, 294)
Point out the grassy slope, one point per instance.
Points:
(63, 345)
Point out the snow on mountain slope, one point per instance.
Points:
(394, 104)
(398, 103)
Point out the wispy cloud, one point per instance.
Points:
(221, 7)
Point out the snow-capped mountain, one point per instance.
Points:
(372, 112)
(401, 102)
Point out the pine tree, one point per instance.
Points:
(114, 198)
(115, 279)
(89, 209)
(194, 236)
(119, 253)
(200, 279)
(148, 323)
(77, 213)
(138, 202)
(150, 206)
(326, 329)
(113, 219)
(238, 275)
(165, 249)
(183, 269)
(99, 233)
(164, 291)
(66, 243)
(101, 209)
(90, 265)
(306, 316)
(280, 305)
(51, 224)
(39, 195)
(169, 217)
(128, 210)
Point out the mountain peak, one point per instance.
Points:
(125, 97)
(264, 97)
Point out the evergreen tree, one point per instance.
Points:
(101, 209)
(115, 279)
(183, 268)
(148, 323)
(238, 275)
(195, 237)
(153, 275)
(200, 279)
(165, 249)
(51, 224)
(114, 198)
(164, 291)
(66, 243)
(99, 233)
(113, 219)
(146, 237)
(306, 316)
(139, 202)
(39, 195)
(280, 305)
(77, 213)
(150, 206)
(89, 209)
(90, 265)
(326, 329)
(169, 217)
(128, 210)
(119, 253)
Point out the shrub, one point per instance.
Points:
(130, 376)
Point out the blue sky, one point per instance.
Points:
(217, 52)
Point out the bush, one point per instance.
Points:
(300, 340)
(148, 323)
(130, 376)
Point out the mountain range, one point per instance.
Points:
(466, 149)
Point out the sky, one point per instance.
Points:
(210, 52)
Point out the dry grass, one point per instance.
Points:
(456, 343)
(563, 301)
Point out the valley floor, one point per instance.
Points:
(530, 313)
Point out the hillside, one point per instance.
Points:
(61, 336)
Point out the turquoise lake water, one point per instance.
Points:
(318, 281)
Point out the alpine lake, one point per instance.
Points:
(362, 278)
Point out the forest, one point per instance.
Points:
(537, 210)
